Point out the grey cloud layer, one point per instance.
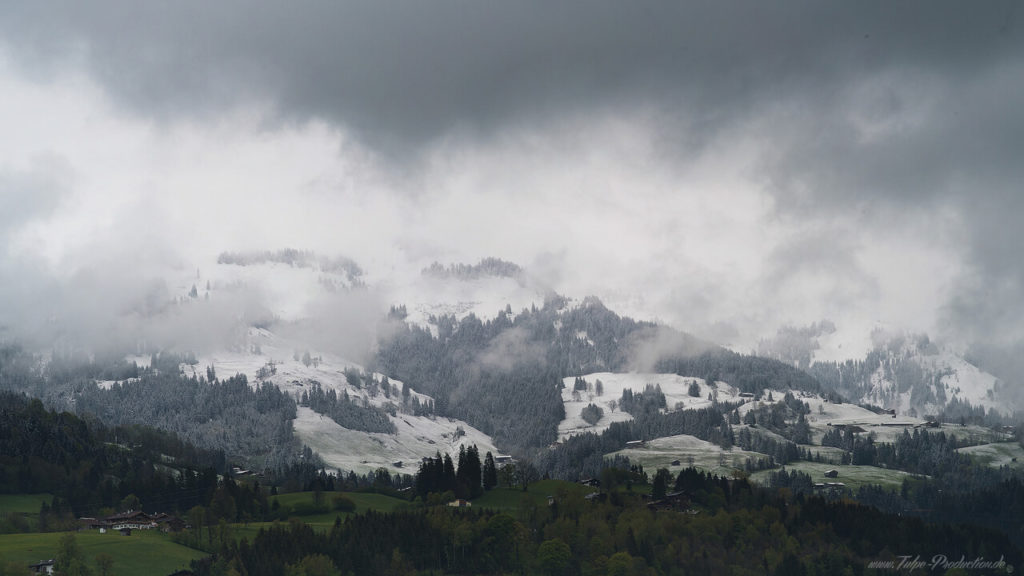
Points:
(405, 71)
(862, 112)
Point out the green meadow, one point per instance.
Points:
(144, 552)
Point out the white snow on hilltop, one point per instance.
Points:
(676, 390)
(484, 297)
(945, 368)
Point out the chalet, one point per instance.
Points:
(42, 567)
(832, 473)
(500, 459)
(397, 463)
(746, 395)
(853, 428)
(592, 482)
(675, 462)
(132, 519)
(460, 503)
(167, 523)
(635, 444)
(93, 524)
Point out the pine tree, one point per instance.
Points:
(490, 473)
(447, 475)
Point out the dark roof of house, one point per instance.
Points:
(129, 515)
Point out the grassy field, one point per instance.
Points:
(144, 552)
(997, 454)
(831, 453)
(975, 434)
(300, 504)
(689, 451)
(23, 503)
(508, 499)
(364, 501)
(853, 476)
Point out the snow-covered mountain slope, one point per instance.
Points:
(823, 413)
(914, 376)
(294, 369)
(417, 437)
(950, 376)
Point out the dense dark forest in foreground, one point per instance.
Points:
(672, 523)
(710, 526)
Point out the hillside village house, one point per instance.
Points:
(134, 520)
(42, 567)
(131, 520)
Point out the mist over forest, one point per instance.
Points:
(665, 263)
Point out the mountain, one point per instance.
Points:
(915, 376)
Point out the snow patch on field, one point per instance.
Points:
(997, 455)
(675, 388)
(824, 415)
(687, 451)
(418, 437)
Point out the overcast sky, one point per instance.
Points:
(725, 167)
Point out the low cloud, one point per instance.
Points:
(510, 349)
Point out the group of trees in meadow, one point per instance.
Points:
(650, 401)
(468, 478)
(787, 418)
(592, 413)
(348, 413)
